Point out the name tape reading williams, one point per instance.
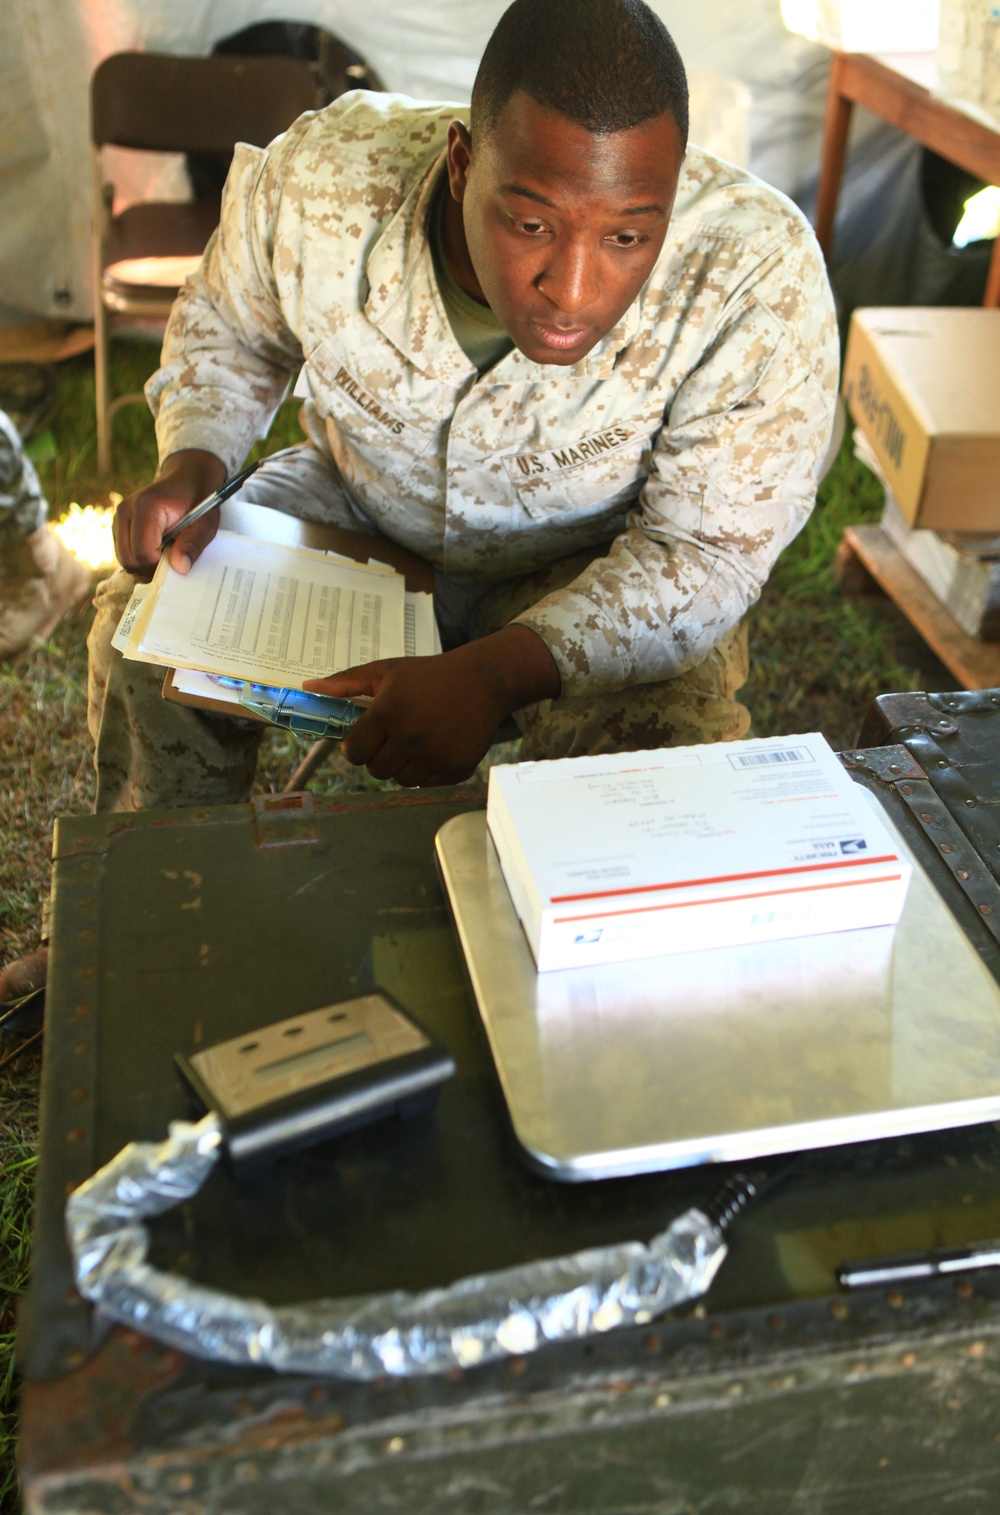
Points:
(368, 403)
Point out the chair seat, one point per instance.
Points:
(159, 229)
(145, 286)
(151, 273)
(150, 250)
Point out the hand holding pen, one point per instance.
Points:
(209, 503)
(177, 511)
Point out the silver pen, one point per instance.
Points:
(204, 506)
(870, 1272)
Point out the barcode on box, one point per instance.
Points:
(774, 755)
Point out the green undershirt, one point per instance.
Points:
(476, 329)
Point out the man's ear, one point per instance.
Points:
(459, 159)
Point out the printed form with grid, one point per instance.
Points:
(646, 853)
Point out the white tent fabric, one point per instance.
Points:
(758, 95)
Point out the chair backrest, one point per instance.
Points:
(165, 103)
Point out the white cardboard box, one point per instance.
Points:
(647, 853)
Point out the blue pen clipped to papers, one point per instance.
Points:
(315, 715)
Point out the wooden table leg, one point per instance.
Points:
(838, 119)
(850, 574)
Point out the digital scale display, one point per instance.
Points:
(299, 1081)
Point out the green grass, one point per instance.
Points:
(18, 1117)
(818, 658)
(817, 661)
(46, 772)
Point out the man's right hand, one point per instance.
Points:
(141, 520)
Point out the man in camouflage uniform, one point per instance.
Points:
(584, 370)
(39, 580)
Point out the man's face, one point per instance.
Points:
(561, 226)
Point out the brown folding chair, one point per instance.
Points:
(156, 102)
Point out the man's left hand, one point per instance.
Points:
(433, 719)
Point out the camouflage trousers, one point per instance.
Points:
(22, 504)
(152, 753)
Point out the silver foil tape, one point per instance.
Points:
(476, 1320)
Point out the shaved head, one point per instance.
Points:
(607, 65)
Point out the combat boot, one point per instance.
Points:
(39, 582)
(24, 976)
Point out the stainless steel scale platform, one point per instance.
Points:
(729, 1054)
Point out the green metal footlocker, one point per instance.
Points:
(779, 1392)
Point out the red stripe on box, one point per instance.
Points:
(724, 878)
(728, 899)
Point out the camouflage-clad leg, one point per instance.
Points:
(150, 752)
(22, 503)
(39, 579)
(697, 706)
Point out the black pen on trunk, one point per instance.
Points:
(204, 506)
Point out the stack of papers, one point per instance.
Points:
(642, 853)
(962, 570)
(272, 614)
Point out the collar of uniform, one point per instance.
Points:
(600, 363)
(404, 301)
